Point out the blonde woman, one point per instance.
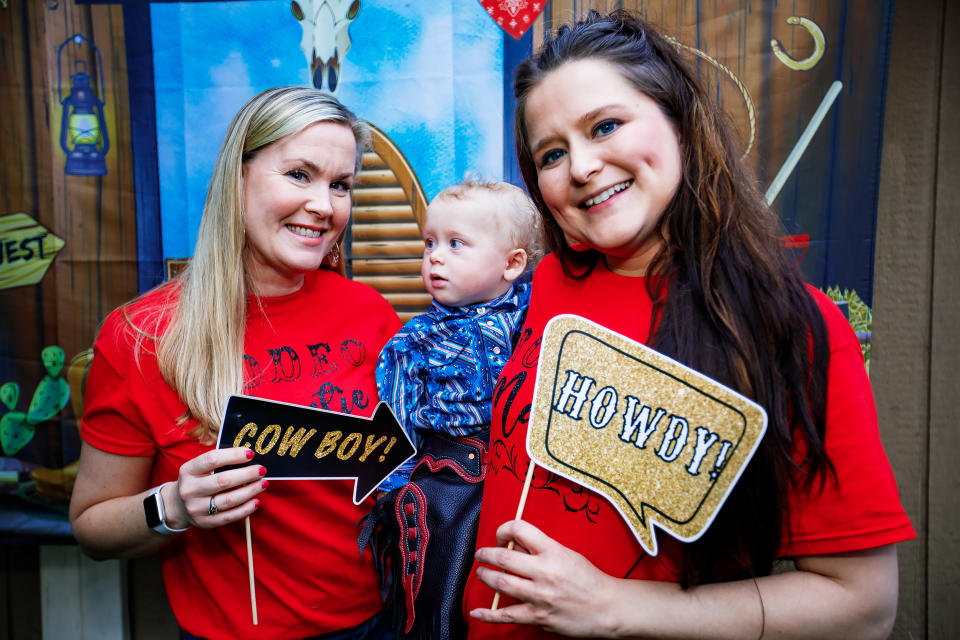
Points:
(257, 312)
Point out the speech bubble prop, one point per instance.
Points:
(301, 443)
(664, 443)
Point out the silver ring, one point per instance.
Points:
(213, 507)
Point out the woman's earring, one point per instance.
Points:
(334, 255)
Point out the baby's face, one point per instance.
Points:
(465, 251)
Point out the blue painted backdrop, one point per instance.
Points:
(430, 75)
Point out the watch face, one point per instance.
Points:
(151, 507)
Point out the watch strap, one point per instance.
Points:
(153, 507)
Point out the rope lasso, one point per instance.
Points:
(751, 113)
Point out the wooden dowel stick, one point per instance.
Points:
(253, 592)
(523, 502)
(802, 143)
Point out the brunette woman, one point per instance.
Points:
(659, 233)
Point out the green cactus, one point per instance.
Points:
(53, 358)
(50, 397)
(9, 394)
(15, 432)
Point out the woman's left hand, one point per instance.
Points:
(845, 595)
(559, 589)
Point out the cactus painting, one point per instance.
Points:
(49, 398)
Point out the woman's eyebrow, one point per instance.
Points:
(593, 114)
(315, 168)
(584, 120)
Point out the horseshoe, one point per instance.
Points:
(819, 43)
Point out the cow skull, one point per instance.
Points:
(325, 37)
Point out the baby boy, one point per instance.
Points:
(438, 373)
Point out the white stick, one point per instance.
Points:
(523, 502)
(791, 162)
(253, 592)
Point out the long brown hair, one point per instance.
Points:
(733, 304)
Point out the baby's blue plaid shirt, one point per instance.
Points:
(438, 372)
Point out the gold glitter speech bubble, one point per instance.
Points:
(664, 443)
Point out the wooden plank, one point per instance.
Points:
(900, 360)
(60, 595)
(7, 581)
(379, 195)
(372, 160)
(20, 597)
(395, 159)
(422, 300)
(150, 615)
(387, 231)
(943, 552)
(24, 321)
(96, 216)
(539, 27)
(81, 598)
(16, 126)
(382, 213)
(103, 585)
(376, 178)
(393, 283)
(386, 266)
(77, 199)
(404, 249)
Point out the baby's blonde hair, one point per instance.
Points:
(524, 229)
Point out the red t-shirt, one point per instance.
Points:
(860, 510)
(315, 347)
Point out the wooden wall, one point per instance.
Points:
(916, 308)
(740, 40)
(828, 201)
(916, 311)
(96, 270)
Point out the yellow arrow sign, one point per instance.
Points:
(26, 250)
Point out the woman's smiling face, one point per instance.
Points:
(297, 203)
(608, 160)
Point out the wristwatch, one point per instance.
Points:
(156, 516)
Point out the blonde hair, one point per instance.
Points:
(524, 228)
(201, 353)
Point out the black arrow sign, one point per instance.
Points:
(297, 442)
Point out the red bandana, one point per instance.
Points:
(515, 16)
